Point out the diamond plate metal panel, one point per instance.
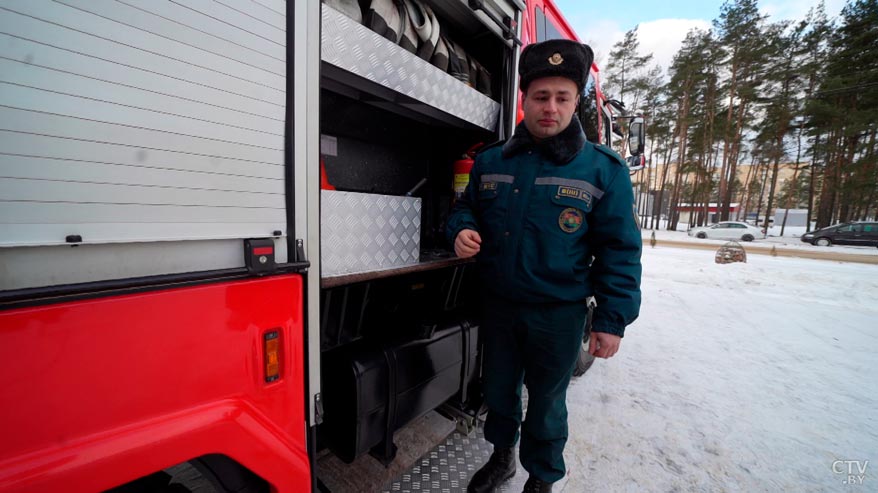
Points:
(363, 232)
(357, 49)
(449, 467)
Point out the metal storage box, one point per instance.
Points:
(373, 390)
(363, 232)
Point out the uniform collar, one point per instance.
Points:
(561, 149)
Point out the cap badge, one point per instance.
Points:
(556, 59)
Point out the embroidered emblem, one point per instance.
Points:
(556, 59)
(570, 220)
(575, 193)
(490, 185)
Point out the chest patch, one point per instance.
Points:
(570, 220)
(489, 185)
(575, 193)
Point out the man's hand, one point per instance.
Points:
(603, 345)
(467, 243)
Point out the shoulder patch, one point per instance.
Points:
(611, 153)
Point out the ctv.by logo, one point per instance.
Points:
(855, 470)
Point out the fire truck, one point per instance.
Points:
(221, 231)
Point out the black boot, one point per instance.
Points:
(534, 485)
(500, 467)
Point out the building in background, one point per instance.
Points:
(750, 201)
(795, 218)
(709, 211)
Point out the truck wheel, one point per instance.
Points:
(584, 361)
(227, 476)
(159, 482)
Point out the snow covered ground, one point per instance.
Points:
(737, 377)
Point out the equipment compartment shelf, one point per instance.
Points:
(371, 64)
(426, 263)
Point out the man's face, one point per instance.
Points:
(549, 105)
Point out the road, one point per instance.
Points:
(766, 249)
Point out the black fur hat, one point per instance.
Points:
(555, 58)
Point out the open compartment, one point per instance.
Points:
(399, 328)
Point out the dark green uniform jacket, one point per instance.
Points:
(543, 211)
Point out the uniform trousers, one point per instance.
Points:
(535, 344)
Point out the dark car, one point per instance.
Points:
(859, 233)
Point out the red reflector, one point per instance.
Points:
(263, 251)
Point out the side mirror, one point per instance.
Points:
(636, 138)
(636, 163)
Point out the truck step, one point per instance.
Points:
(450, 465)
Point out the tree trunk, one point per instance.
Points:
(870, 176)
(682, 130)
(748, 180)
(664, 182)
(733, 163)
(774, 170)
(794, 188)
(762, 191)
(812, 182)
(723, 179)
(825, 207)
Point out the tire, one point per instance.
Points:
(227, 476)
(159, 482)
(213, 472)
(747, 238)
(585, 360)
(823, 242)
(702, 235)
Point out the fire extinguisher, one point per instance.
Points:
(462, 168)
(324, 182)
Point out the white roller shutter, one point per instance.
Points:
(138, 121)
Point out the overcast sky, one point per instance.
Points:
(663, 23)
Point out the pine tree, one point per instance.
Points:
(815, 52)
(779, 104)
(844, 110)
(686, 73)
(627, 78)
(626, 70)
(741, 32)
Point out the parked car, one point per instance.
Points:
(856, 233)
(728, 230)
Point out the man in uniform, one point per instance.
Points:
(549, 217)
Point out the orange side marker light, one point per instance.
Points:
(271, 350)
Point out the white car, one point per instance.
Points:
(728, 230)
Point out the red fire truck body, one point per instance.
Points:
(165, 298)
